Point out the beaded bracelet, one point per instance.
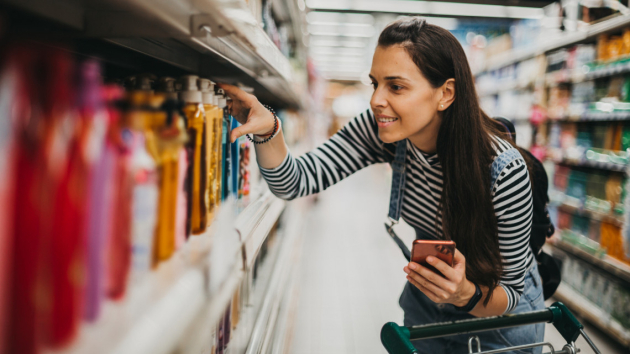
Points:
(275, 129)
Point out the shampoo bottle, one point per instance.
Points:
(207, 91)
(171, 105)
(195, 116)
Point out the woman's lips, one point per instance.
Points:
(385, 121)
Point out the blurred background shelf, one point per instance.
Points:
(614, 267)
(589, 311)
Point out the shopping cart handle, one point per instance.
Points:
(397, 339)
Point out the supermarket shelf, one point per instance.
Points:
(155, 315)
(593, 164)
(593, 314)
(614, 68)
(594, 116)
(607, 263)
(222, 39)
(517, 55)
(613, 219)
(253, 227)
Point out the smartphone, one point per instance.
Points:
(444, 250)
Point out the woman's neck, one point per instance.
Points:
(426, 139)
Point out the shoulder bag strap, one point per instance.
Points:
(396, 196)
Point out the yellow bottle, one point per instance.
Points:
(207, 92)
(198, 170)
(170, 136)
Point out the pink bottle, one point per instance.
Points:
(100, 188)
(182, 200)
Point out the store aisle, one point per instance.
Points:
(351, 272)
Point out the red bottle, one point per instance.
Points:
(118, 248)
(29, 185)
(66, 258)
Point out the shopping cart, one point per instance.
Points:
(397, 339)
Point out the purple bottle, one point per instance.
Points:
(102, 158)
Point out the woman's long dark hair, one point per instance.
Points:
(464, 147)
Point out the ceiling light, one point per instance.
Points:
(428, 8)
(337, 34)
(317, 16)
(337, 42)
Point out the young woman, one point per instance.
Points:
(424, 96)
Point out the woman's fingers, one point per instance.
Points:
(236, 93)
(429, 280)
(444, 268)
(424, 290)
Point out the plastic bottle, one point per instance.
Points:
(145, 185)
(195, 115)
(100, 189)
(166, 86)
(118, 249)
(226, 153)
(218, 149)
(170, 132)
(207, 91)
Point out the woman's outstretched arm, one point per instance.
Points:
(354, 147)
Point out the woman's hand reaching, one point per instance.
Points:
(453, 288)
(254, 117)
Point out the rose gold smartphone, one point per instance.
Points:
(444, 250)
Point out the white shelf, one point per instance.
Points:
(593, 314)
(222, 39)
(517, 55)
(612, 266)
(155, 314)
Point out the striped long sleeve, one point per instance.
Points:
(513, 206)
(357, 146)
(354, 147)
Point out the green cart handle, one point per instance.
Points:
(397, 339)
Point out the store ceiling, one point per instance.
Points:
(342, 34)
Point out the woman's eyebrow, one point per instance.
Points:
(395, 78)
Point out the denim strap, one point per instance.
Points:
(500, 162)
(396, 196)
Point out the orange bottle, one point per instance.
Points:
(198, 170)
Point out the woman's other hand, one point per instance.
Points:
(254, 117)
(453, 288)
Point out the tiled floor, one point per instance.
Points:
(351, 273)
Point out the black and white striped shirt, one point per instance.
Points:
(357, 145)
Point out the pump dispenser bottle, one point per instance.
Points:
(166, 86)
(198, 169)
(170, 136)
(207, 91)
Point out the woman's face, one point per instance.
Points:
(404, 102)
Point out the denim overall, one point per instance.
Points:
(419, 309)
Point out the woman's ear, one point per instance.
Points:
(448, 94)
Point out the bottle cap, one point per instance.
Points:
(141, 82)
(166, 85)
(222, 101)
(207, 91)
(188, 90)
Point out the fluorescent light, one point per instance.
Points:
(338, 51)
(337, 34)
(316, 16)
(328, 60)
(336, 42)
(428, 8)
